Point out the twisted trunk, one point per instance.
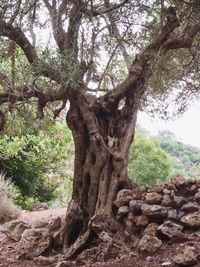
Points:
(101, 142)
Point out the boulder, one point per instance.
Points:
(14, 229)
(151, 229)
(149, 244)
(123, 197)
(170, 229)
(187, 258)
(153, 198)
(34, 242)
(166, 201)
(192, 219)
(178, 181)
(172, 214)
(193, 188)
(122, 211)
(166, 191)
(135, 205)
(154, 210)
(197, 196)
(190, 207)
(179, 201)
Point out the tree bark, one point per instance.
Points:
(101, 143)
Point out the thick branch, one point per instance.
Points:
(140, 69)
(183, 42)
(96, 12)
(24, 93)
(15, 34)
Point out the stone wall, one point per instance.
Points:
(153, 216)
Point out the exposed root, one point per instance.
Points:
(78, 245)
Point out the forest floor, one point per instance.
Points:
(9, 256)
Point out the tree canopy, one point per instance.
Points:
(93, 44)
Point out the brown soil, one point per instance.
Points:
(9, 256)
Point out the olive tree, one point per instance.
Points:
(92, 44)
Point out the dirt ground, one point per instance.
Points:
(9, 256)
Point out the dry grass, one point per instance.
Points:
(8, 210)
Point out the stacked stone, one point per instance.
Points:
(160, 213)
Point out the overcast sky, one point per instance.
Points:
(186, 128)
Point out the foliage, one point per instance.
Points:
(8, 193)
(33, 160)
(147, 161)
(186, 158)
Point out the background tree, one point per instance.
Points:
(158, 43)
(148, 162)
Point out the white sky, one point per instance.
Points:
(186, 128)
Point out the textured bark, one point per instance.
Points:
(101, 145)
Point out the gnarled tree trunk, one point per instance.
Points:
(101, 142)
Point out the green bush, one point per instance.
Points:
(8, 193)
(148, 163)
(37, 163)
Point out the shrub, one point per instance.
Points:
(8, 210)
(38, 164)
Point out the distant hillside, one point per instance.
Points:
(186, 158)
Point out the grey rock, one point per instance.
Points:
(170, 229)
(154, 210)
(193, 188)
(123, 197)
(166, 191)
(151, 229)
(149, 244)
(187, 258)
(190, 207)
(14, 229)
(122, 211)
(34, 242)
(197, 196)
(179, 201)
(178, 180)
(192, 219)
(153, 198)
(166, 201)
(172, 214)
